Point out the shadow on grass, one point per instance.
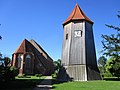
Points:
(28, 84)
(19, 84)
(46, 84)
(55, 81)
(112, 79)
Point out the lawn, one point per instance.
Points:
(30, 78)
(89, 85)
(25, 83)
(29, 82)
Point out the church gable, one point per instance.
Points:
(21, 48)
(29, 60)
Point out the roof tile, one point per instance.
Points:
(22, 47)
(77, 14)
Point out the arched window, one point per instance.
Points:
(28, 61)
(20, 58)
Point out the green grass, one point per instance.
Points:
(89, 85)
(30, 77)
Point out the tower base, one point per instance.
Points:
(82, 73)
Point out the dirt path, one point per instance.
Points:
(46, 84)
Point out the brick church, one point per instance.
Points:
(30, 58)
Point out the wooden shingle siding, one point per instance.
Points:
(78, 54)
(90, 47)
(78, 51)
(77, 72)
(66, 44)
(93, 73)
(76, 48)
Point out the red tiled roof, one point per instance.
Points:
(77, 14)
(22, 47)
(30, 46)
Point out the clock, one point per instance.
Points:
(77, 33)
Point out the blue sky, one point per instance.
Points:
(42, 21)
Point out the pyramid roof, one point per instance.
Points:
(77, 14)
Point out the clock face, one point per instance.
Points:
(77, 33)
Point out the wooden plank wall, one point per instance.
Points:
(78, 55)
(91, 62)
(90, 47)
(66, 44)
(77, 72)
(77, 45)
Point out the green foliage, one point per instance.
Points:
(102, 61)
(54, 75)
(24, 76)
(113, 66)
(38, 75)
(7, 72)
(101, 64)
(104, 73)
(0, 37)
(107, 74)
(58, 66)
(7, 60)
(111, 43)
(111, 48)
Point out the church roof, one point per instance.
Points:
(30, 46)
(38, 47)
(77, 14)
(22, 47)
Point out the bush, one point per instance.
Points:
(38, 75)
(54, 75)
(7, 73)
(113, 66)
(107, 74)
(14, 71)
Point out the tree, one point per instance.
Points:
(111, 48)
(57, 68)
(7, 72)
(0, 36)
(101, 62)
(58, 65)
(113, 67)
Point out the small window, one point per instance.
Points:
(66, 36)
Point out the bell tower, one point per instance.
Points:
(78, 50)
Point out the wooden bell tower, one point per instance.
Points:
(78, 51)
